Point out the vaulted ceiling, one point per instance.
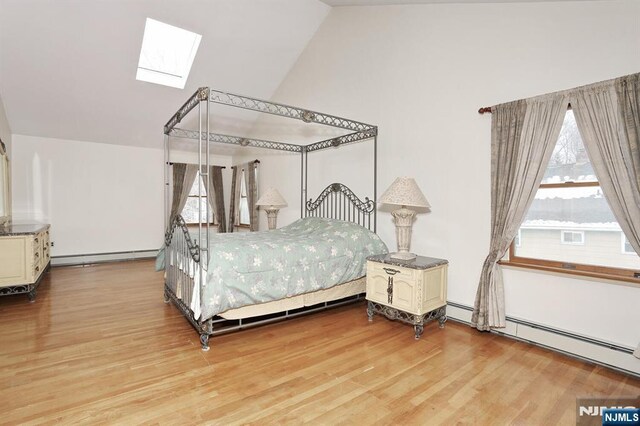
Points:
(68, 68)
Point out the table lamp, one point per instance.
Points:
(404, 192)
(273, 202)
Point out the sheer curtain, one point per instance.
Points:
(183, 177)
(523, 135)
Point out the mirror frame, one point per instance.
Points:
(5, 185)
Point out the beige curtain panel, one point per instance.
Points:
(183, 177)
(215, 197)
(234, 205)
(523, 135)
(251, 170)
(603, 124)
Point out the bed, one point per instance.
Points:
(224, 282)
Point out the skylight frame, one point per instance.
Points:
(167, 54)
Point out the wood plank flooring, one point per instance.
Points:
(99, 346)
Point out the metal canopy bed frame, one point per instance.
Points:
(336, 201)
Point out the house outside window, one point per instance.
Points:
(570, 226)
(190, 211)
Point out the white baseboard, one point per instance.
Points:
(600, 352)
(88, 259)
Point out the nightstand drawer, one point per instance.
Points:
(391, 285)
(411, 291)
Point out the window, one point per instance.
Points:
(245, 218)
(570, 202)
(518, 238)
(190, 211)
(167, 54)
(572, 237)
(626, 245)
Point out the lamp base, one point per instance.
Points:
(402, 256)
(272, 218)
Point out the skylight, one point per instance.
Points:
(167, 54)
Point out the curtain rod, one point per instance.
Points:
(488, 109)
(172, 163)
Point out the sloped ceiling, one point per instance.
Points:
(67, 67)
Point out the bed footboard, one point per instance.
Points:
(183, 274)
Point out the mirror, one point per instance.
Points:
(5, 187)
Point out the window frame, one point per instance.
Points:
(624, 240)
(569, 268)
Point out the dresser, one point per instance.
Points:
(24, 258)
(414, 292)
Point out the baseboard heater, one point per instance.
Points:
(89, 259)
(604, 353)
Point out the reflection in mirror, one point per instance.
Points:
(5, 214)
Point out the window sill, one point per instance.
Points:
(574, 272)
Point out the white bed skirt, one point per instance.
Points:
(340, 291)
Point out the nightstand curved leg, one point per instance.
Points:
(32, 296)
(370, 311)
(442, 320)
(166, 297)
(418, 329)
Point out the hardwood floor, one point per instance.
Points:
(100, 346)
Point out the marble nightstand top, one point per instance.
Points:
(419, 262)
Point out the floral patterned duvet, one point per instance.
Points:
(310, 254)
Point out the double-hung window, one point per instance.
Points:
(190, 211)
(570, 226)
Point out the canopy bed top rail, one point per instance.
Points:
(235, 140)
(283, 110)
(361, 131)
(337, 201)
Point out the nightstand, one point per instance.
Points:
(413, 291)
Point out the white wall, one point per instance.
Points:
(421, 73)
(98, 198)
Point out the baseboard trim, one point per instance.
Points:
(589, 349)
(92, 258)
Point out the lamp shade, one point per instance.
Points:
(271, 198)
(404, 191)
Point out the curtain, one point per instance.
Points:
(251, 170)
(215, 197)
(607, 118)
(234, 205)
(523, 136)
(183, 177)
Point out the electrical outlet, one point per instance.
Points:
(52, 243)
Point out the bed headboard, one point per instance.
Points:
(337, 201)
